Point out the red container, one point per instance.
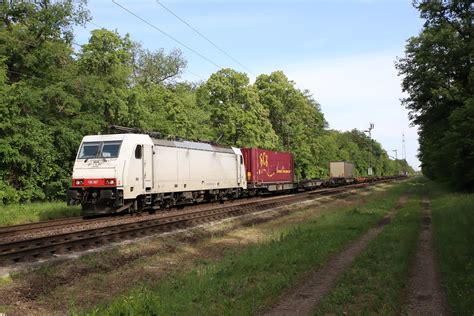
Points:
(267, 166)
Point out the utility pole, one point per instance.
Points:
(404, 151)
(369, 131)
(396, 160)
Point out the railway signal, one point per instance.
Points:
(369, 131)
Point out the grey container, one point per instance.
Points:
(341, 169)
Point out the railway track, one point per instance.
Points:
(29, 227)
(58, 244)
(14, 230)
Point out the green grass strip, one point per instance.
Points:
(33, 212)
(245, 281)
(376, 281)
(453, 224)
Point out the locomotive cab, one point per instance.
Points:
(99, 179)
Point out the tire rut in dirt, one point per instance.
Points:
(425, 296)
(302, 299)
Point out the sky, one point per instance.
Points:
(342, 51)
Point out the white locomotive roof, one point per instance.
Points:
(167, 143)
(117, 137)
(192, 145)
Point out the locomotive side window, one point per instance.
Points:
(89, 150)
(138, 152)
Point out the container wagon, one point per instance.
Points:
(268, 170)
(341, 172)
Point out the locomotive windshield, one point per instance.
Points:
(110, 149)
(89, 150)
(100, 150)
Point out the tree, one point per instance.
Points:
(36, 106)
(157, 67)
(173, 112)
(296, 118)
(35, 36)
(105, 66)
(236, 114)
(438, 77)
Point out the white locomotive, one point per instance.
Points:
(134, 172)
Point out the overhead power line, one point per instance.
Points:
(196, 75)
(167, 35)
(37, 44)
(52, 81)
(203, 36)
(192, 73)
(95, 24)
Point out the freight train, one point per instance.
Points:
(136, 172)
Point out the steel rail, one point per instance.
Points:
(20, 228)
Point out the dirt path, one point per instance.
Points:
(303, 299)
(425, 296)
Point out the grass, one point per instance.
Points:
(453, 222)
(375, 283)
(33, 212)
(4, 280)
(244, 283)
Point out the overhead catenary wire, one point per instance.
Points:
(166, 34)
(102, 27)
(51, 81)
(203, 36)
(55, 81)
(37, 44)
(95, 24)
(189, 71)
(196, 75)
(79, 46)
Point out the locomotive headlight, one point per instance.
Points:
(110, 181)
(78, 182)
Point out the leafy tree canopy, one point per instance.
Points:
(437, 72)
